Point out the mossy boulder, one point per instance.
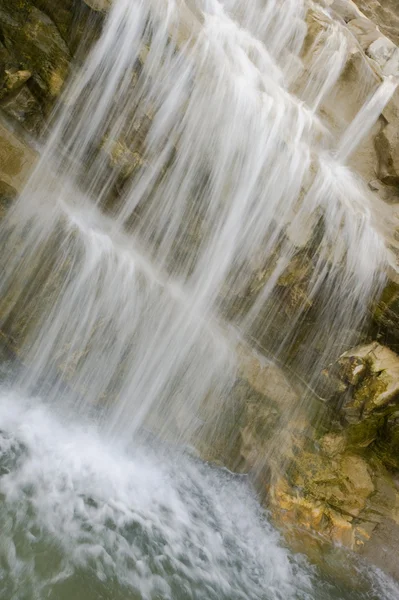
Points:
(363, 383)
(362, 393)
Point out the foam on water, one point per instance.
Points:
(81, 518)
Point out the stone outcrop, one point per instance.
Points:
(16, 160)
(372, 55)
(384, 13)
(37, 41)
(342, 482)
(387, 144)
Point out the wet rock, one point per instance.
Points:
(342, 497)
(387, 446)
(346, 9)
(99, 5)
(8, 195)
(341, 482)
(371, 376)
(385, 14)
(382, 549)
(61, 12)
(386, 316)
(38, 39)
(17, 159)
(365, 31)
(25, 109)
(381, 50)
(262, 419)
(387, 144)
(34, 40)
(78, 23)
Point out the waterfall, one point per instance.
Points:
(192, 204)
(182, 179)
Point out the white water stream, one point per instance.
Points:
(180, 181)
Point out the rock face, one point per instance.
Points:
(387, 144)
(37, 41)
(342, 483)
(16, 159)
(383, 13)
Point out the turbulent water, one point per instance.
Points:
(188, 168)
(82, 519)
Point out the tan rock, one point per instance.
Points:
(16, 159)
(381, 50)
(99, 5)
(384, 13)
(355, 469)
(333, 444)
(365, 31)
(383, 366)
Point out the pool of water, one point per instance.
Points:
(82, 518)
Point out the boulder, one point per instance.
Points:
(370, 376)
(345, 9)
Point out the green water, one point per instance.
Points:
(82, 519)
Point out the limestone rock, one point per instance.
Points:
(262, 421)
(388, 443)
(78, 23)
(61, 12)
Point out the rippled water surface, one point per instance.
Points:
(81, 519)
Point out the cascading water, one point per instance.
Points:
(181, 180)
